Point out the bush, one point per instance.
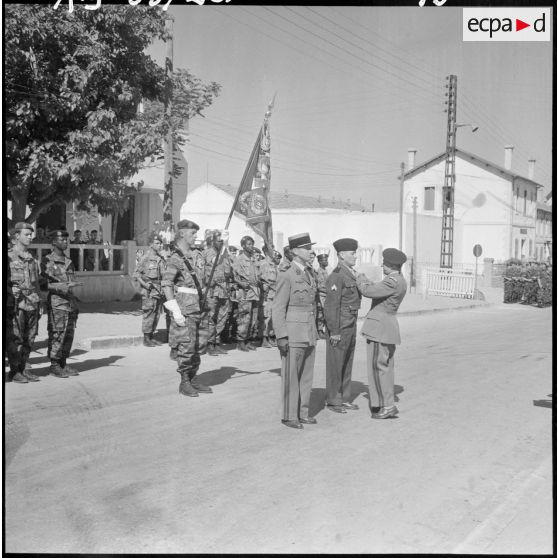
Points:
(528, 283)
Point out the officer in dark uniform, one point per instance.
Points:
(182, 286)
(341, 306)
(24, 286)
(293, 314)
(149, 274)
(321, 278)
(58, 273)
(381, 331)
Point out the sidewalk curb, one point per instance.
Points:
(119, 341)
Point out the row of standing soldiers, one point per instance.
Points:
(240, 289)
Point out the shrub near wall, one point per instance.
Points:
(528, 283)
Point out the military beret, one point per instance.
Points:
(245, 239)
(394, 256)
(59, 233)
(187, 224)
(345, 245)
(22, 225)
(301, 240)
(277, 254)
(322, 257)
(233, 249)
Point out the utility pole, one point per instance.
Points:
(414, 268)
(169, 148)
(401, 188)
(446, 248)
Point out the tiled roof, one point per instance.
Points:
(282, 200)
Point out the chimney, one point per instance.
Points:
(508, 151)
(411, 152)
(531, 174)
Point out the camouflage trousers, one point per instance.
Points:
(320, 317)
(151, 309)
(21, 332)
(190, 342)
(61, 327)
(218, 315)
(268, 324)
(247, 319)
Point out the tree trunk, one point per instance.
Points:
(19, 206)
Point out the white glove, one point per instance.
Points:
(174, 309)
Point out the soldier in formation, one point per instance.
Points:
(58, 273)
(247, 278)
(182, 285)
(321, 278)
(23, 285)
(149, 274)
(269, 286)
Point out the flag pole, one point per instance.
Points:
(247, 170)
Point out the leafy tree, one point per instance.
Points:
(73, 83)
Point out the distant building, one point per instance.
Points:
(494, 207)
(325, 219)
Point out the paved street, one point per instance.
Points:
(116, 461)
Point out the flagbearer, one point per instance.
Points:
(58, 271)
(341, 306)
(294, 319)
(148, 274)
(381, 331)
(182, 286)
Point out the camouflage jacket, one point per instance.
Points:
(268, 272)
(246, 272)
(24, 279)
(57, 271)
(150, 269)
(222, 276)
(186, 279)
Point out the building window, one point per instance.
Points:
(517, 199)
(524, 202)
(516, 252)
(530, 247)
(429, 192)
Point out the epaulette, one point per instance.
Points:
(284, 266)
(336, 270)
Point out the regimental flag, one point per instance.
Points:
(252, 198)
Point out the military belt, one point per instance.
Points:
(309, 307)
(187, 290)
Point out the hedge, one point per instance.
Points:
(528, 283)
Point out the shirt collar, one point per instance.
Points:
(299, 265)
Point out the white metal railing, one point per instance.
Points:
(448, 282)
(99, 258)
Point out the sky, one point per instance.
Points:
(355, 88)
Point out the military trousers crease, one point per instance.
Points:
(21, 335)
(190, 342)
(247, 315)
(380, 368)
(297, 372)
(339, 367)
(61, 328)
(151, 310)
(219, 309)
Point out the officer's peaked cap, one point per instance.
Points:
(23, 225)
(345, 245)
(301, 240)
(187, 224)
(394, 256)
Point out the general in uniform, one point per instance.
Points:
(24, 287)
(247, 278)
(381, 331)
(58, 272)
(182, 287)
(218, 297)
(149, 274)
(294, 321)
(341, 307)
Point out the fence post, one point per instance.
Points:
(129, 256)
(487, 272)
(424, 286)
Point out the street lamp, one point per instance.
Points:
(473, 127)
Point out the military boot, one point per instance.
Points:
(27, 373)
(242, 346)
(251, 345)
(211, 351)
(197, 385)
(265, 343)
(220, 349)
(17, 377)
(173, 355)
(155, 341)
(186, 387)
(57, 370)
(147, 341)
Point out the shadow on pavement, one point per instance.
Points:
(115, 307)
(16, 433)
(221, 375)
(543, 403)
(93, 363)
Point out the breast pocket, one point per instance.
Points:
(17, 272)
